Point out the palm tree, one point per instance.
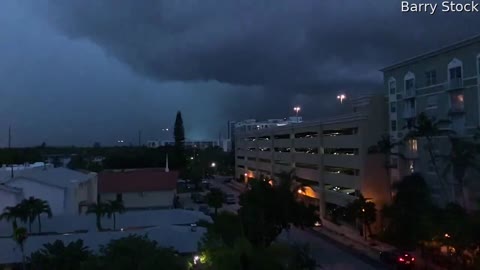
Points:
(12, 213)
(428, 129)
(215, 199)
(363, 210)
(461, 158)
(100, 210)
(114, 207)
(20, 236)
(57, 255)
(35, 208)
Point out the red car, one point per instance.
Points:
(400, 259)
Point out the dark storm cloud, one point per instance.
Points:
(304, 46)
(79, 71)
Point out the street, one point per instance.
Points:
(328, 254)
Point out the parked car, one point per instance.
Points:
(230, 199)
(227, 180)
(398, 259)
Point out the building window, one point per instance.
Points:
(430, 77)
(409, 84)
(393, 107)
(457, 101)
(392, 86)
(455, 73)
(412, 145)
(394, 125)
(432, 102)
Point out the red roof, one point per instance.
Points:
(140, 180)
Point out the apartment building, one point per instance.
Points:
(443, 84)
(329, 158)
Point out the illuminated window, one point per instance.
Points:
(412, 145)
(457, 100)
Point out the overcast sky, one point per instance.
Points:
(76, 72)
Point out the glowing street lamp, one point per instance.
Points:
(341, 98)
(297, 109)
(213, 165)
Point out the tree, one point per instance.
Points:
(462, 157)
(215, 199)
(410, 214)
(99, 209)
(385, 146)
(36, 207)
(137, 252)
(179, 136)
(114, 207)
(57, 255)
(424, 127)
(20, 236)
(363, 211)
(267, 210)
(12, 213)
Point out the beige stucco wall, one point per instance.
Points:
(143, 200)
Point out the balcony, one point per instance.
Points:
(338, 198)
(342, 141)
(309, 174)
(350, 161)
(409, 112)
(343, 180)
(306, 142)
(265, 154)
(455, 83)
(283, 156)
(409, 93)
(282, 143)
(307, 158)
(456, 109)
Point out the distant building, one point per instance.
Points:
(445, 85)
(195, 144)
(153, 144)
(66, 191)
(139, 188)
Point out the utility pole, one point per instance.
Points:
(9, 149)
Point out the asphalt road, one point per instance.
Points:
(328, 254)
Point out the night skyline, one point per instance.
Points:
(78, 72)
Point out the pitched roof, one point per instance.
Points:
(141, 180)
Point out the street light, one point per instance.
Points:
(297, 109)
(213, 165)
(341, 98)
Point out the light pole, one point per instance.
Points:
(364, 224)
(297, 109)
(341, 98)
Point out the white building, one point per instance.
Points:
(66, 191)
